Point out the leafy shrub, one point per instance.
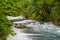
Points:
(42, 10)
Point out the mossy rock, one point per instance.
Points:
(21, 27)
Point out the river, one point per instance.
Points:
(35, 30)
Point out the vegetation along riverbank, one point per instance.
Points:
(41, 10)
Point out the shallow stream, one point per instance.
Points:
(35, 30)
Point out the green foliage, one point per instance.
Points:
(55, 13)
(42, 10)
(7, 7)
(38, 9)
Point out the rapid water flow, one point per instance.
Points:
(35, 30)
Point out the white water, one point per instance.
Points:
(35, 31)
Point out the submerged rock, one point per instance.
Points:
(21, 26)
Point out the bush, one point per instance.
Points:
(42, 10)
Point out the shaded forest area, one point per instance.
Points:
(41, 10)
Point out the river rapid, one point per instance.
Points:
(35, 30)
